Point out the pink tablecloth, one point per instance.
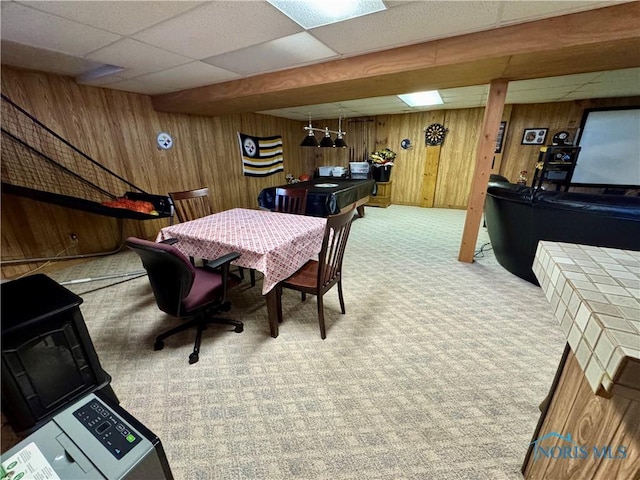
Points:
(276, 244)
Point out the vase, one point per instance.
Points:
(381, 174)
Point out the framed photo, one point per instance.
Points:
(500, 138)
(534, 136)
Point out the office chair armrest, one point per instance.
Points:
(220, 261)
(169, 241)
(221, 264)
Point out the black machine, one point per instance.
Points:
(48, 358)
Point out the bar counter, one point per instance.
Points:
(590, 422)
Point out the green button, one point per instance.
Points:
(130, 438)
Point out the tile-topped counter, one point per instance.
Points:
(595, 294)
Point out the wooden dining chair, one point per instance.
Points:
(317, 277)
(291, 200)
(192, 204)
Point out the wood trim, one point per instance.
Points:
(486, 151)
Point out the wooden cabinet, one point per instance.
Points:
(383, 196)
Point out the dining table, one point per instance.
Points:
(275, 244)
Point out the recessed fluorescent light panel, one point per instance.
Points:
(422, 99)
(315, 13)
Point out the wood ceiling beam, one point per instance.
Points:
(595, 40)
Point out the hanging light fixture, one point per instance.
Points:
(326, 141)
(310, 139)
(340, 143)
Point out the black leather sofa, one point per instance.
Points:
(518, 217)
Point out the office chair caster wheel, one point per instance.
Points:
(239, 329)
(193, 358)
(159, 345)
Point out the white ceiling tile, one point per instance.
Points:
(552, 82)
(177, 33)
(33, 58)
(122, 17)
(467, 100)
(190, 75)
(604, 89)
(406, 24)
(392, 100)
(133, 85)
(626, 76)
(138, 58)
(219, 27)
(521, 11)
(25, 25)
(101, 81)
(286, 113)
(538, 93)
(464, 91)
(293, 50)
(536, 97)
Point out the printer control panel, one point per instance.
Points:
(115, 435)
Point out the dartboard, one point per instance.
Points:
(434, 134)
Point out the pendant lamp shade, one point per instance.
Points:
(310, 140)
(326, 141)
(340, 143)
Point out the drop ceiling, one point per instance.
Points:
(170, 46)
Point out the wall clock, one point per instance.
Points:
(164, 140)
(434, 134)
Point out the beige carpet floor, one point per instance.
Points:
(435, 372)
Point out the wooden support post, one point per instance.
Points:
(484, 158)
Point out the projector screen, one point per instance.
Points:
(610, 148)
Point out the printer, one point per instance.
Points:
(93, 438)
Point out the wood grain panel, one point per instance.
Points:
(431, 163)
(497, 159)
(409, 165)
(430, 176)
(592, 421)
(457, 158)
(554, 116)
(118, 129)
(361, 138)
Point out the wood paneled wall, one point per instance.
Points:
(554, 116)
(118, 129)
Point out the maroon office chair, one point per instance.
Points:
(317, 277)
(181, 290)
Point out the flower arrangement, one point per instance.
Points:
(382, 157)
